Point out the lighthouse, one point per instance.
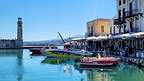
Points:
(19, 33)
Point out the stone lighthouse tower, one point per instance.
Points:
(19, 33)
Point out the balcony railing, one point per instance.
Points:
(135, 30)
(132, 13)
(119, 21)
(89, 34)
(96, 34)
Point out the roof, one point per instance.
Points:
(99, 19)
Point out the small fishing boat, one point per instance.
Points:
(98, 61)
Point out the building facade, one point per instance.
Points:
(129, 17)
(14, 43)
(96, 28)
(128, 26)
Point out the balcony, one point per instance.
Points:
(96, 34)
(135, 30)
(89, 34)
(119, 21)
(133, 13)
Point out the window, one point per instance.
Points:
(123, 12)
(92, 28)
(124, 29)
(88, 29)
(131, 26)
(102, 29)
(130, 8)
(119, 13)
(119, 2)
(124, 1)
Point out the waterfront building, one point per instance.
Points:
(97, 29)
(129, 17)
(129, 22)
(14, 43)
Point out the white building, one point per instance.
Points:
(129, 16)
(128, 27)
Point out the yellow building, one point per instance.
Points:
(98, 27)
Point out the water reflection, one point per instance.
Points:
(123, 72)
(67, 69)
(66, 64)
(129, 72)
(10, 52)
(58, 61)
(16, 67)
(20, 68)
(98, 74)
(18, 53)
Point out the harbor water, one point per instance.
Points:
(19, 65)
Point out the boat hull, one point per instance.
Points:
(60, 55)
(91, 65)
(98, 62)
(35, 52)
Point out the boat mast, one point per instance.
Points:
(61, 37)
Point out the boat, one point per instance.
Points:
(66, 53)
(35, 51)
(98, 61)
(38, 51)
(58, 53)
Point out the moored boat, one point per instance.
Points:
(98, 61)
(66, 53)
(35, 51)
(38, 51)
(58, 53)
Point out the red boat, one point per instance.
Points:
(38, 51)
(35, 51)
(98, 61)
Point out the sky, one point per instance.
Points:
(42, 19)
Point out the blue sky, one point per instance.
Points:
(42, 19)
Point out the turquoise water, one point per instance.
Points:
(18, 65)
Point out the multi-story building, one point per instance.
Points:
(129, 17)
(13, 43)
(96, 28)
(129, 24)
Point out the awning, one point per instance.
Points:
(122, 36)
(97, 38)
(78, 39)
(127, 35)
(138, 34)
